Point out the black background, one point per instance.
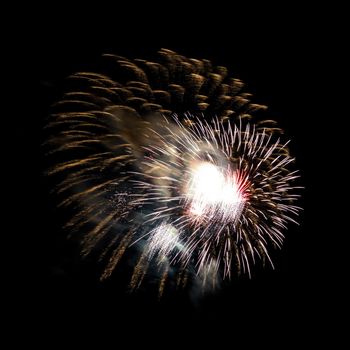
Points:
(280, 58)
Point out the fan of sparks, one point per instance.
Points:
(179, 197)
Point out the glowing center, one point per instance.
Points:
(211, 192)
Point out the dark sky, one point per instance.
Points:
(276, 56)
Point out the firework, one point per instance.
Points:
(201, 194)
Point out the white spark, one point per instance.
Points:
(224, 189)
(163, 240)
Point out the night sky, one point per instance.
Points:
(275, 57)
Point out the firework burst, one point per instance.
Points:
(197, 195)
(223, 194)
